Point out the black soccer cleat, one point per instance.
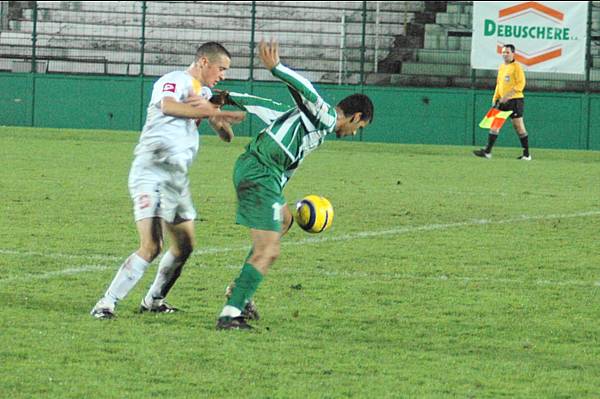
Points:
(250, 311)
(163, 307)
(524, 157)
(482, 154)
(233, 323)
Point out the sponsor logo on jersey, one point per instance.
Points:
(143, 201)
(169, 87)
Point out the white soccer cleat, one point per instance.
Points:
(103, 310)
(103, 313)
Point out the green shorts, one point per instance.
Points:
(259, 194)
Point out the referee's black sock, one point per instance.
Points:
(491, 141)
(525, 144)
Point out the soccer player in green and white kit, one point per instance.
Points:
(260, 174)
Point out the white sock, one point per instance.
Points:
(230, 311)
(130, 272)
(166, 275)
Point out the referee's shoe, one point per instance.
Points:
(482, 154)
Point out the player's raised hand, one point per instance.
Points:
(269, 53)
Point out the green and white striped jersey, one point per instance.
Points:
(292, 132)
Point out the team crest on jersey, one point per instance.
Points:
(169, 87)
(507, 78)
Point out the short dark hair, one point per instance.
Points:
(511, 47)
(210, 50)
(357, 103)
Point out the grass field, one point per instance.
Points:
(444, 275)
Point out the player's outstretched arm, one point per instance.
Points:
(198, 109)
(302, 90)
(269, 55)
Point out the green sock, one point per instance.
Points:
(245, 286)
(248, 262)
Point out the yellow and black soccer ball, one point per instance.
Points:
(314, 213)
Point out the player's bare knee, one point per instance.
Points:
(273, 253)
(149, 253)
(150, 250)
(272, 257)
(265, 256)
(258, 257)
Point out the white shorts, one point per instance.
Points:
(160, 189)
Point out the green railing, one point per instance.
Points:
(345, 43)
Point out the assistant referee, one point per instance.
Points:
(508, 96)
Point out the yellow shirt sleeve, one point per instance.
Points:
(498, 84)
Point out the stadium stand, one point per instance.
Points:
(101, 37)
(413, 43)
(444, 59)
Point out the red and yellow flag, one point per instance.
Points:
(494, 119)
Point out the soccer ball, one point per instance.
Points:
(314, 213)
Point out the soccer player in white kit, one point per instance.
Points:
(158, 179)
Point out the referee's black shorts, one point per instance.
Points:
(516, 105)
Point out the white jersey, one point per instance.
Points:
(168, 137)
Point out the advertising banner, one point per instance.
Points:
(549, 36)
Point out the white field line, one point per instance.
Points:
(331, 274)
(57, 273)
(315, 240)
(51, 255)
